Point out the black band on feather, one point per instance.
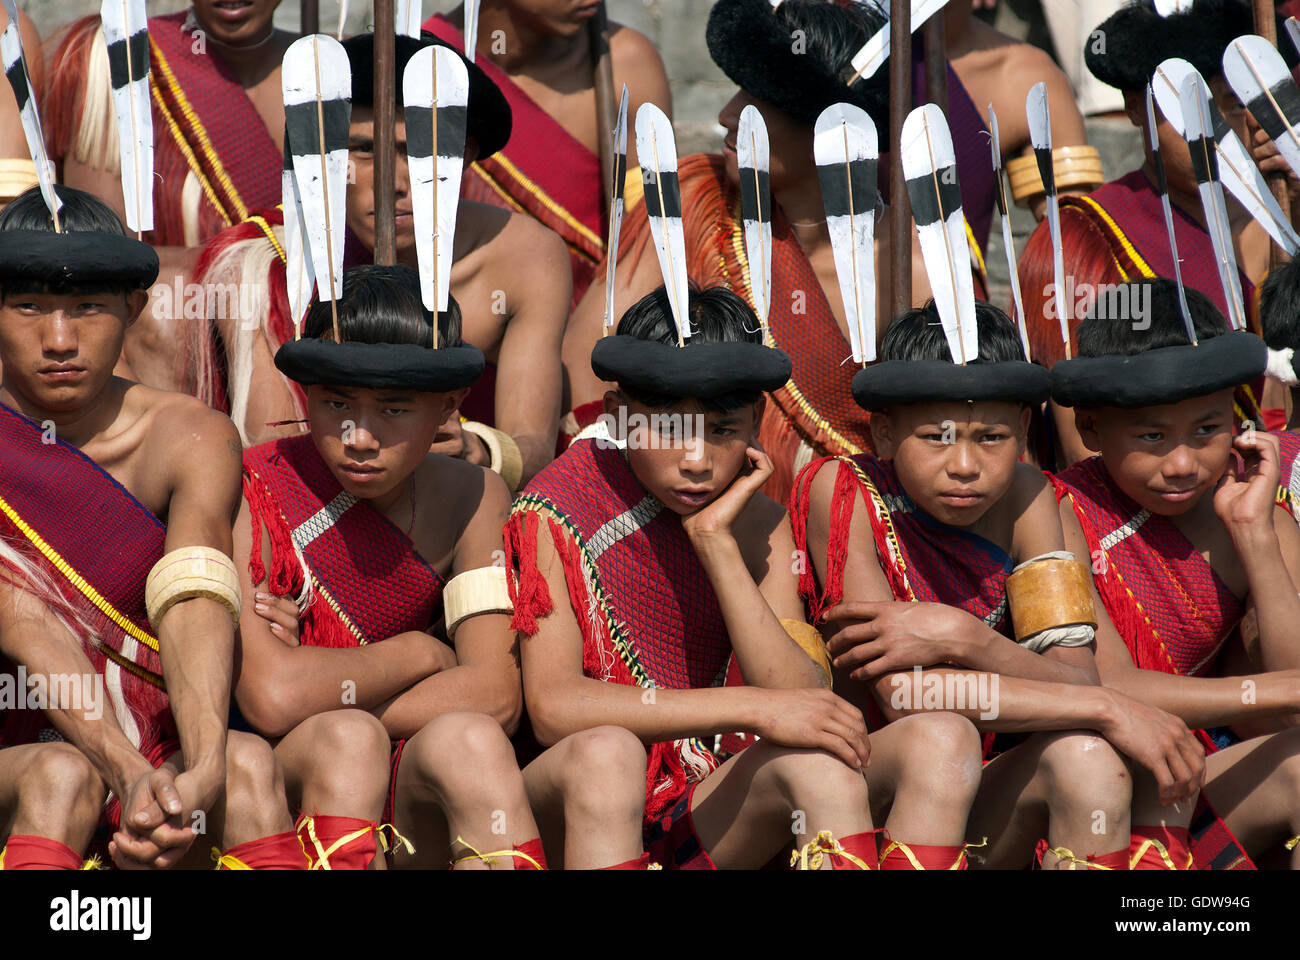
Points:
(665, 180)
(1164, 375)
(930, 207)
(1001, 193)
(835, 187)
(69, 260)
(490, 118)
(1205, 159)
(380, 366)
(894, 383)
(1274, 123)
(750, 194)
(18, 80)
(138, 45)
(300, 124)
(697, 370)
(1046, 170)
(1162, 181)
(451, 131)
(620, 175)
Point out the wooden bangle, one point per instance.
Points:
(468, 594)
(1073, 166)
(506, 458)
(17, 176)
(810, 640)
(191, 572)
(1050, 593)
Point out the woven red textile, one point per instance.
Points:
(248, 176)
(371, 583)
(1290, 474)
(1168, 604)
(652, 618)
(541, 156)
(106, 537)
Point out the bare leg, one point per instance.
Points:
(461, 767)
(1072, 787)
(588, 793)
(336, 763)
(1254, 787)
(50, 790)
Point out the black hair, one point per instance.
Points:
(1279, 307)
(918, 335)
(81, 212)
(832, 33)
(1102, 333)
(383, 305)
(716, 315)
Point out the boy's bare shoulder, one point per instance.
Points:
(463, 489)
(183, 428)
(631, 48)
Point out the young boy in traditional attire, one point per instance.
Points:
(508, 273)
(1279, 324)
(811, 415)
(379, 541)
(218, 128)
(115, 509)
(653, 567)
(1117, 232)
(1179, 512)
(538, 52)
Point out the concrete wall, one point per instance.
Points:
(699, 89)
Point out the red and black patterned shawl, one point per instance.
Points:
(369, 581)
(1165, 600)
(94, 544)
(647, 611)
(924, 560)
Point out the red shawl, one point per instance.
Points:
(1165, 600)
(543, 172)
(204, 123)
(93, 549)
(648, 614)
(1290, 478)
(369, 582)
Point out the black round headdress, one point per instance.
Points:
(1125, 49)
(1160, 376)
(756, 50)
(76, 259)
(490, 118)
(894, 383)
(699, 370)
(380, 366)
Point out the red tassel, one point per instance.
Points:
(24, 852)
(281, 851)
(356, 854)
(530, 595)
(1177, 843)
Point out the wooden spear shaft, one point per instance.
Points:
(385, 133)
(309, 17)
(900, 103)
(603, 81)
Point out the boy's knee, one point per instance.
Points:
(59, 777)
(254, 781)
(605, 769)
(351, 736)
(455, 746)
(799, 771)
(941, 752)
(1083, 767)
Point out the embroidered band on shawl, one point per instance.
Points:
(322, 519)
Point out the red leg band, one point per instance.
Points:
(923, 857)
(337, 843)
(641, 863)
(38, 853)
(1161, 848)
(280, 851)
(531, 848)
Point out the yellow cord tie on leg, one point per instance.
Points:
(814, 853)
(322, 861)
(966, 848)
(916, 864)
(396, 838)
(94, 863)
(227, 861)
(1161, 849)
(490, 857)
(1292, 843)
(1063, 853)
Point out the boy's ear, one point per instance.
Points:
(135, 304)
(613, 400)
(882, 434)
(451, 403)
(1022, 438)
(1085, 421)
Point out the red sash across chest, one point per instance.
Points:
(367, 574)
(1166, 601)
